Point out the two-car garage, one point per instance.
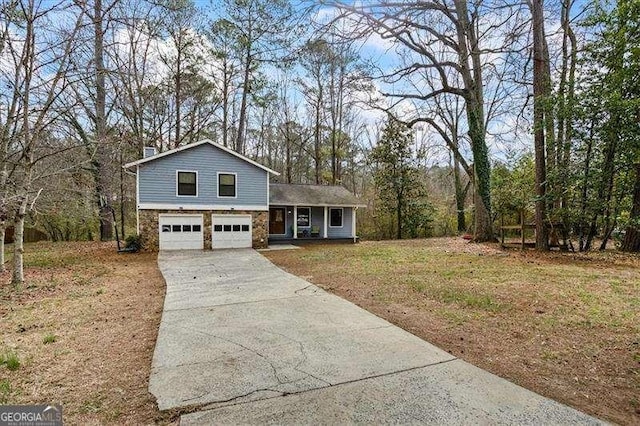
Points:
(186, 231)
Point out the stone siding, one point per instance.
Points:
(149, 226)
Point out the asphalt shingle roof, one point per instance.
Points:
(312, 195)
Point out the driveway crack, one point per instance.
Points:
(274, 369)
(235, 398)
(304, 288)
(304, 356)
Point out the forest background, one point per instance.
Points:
(446, 116)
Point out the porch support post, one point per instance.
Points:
(324, 231)
(353, 222)
(295, 221)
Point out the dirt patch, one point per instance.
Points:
(564, 325)
(84, 329)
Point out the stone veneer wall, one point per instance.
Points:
(149, 227)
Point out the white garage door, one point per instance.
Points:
(181, 232)
(231, 231)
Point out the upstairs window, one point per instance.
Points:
(187, 184)
(226, 185)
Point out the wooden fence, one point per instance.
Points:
(31, 235)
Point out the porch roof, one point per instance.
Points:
(312, 195)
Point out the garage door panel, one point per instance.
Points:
(231, 231)
(181, 232)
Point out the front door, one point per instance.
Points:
(276, 221)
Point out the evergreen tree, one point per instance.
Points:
(612, 62)
(400, 188)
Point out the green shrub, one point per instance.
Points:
(133, 242)
(11, 360)
(5, 391)
(49, 338)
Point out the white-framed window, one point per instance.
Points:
(186, 183)
(335, 217)
(227, 185)
(304, 217)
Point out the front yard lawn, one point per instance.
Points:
(564, 325)
(81, 332)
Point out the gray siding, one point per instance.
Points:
(317, 219)
(345, 231)
(317, 214)
(157, 178)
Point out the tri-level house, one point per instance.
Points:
(207, 196)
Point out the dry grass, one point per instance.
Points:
(84, 329)
(564, 325)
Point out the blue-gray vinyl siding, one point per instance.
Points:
(317, 219)
(157, 180)
(345, 231)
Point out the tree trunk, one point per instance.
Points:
(3, 208)
(542, 240)
(178, 94)
(287, 158)
(474, 105)
(551, 188)
(566, 95)
(399, 220)
(460, 193)
(17, 276)
(582, 220)
(246, 86)
(333, 115)
(631, 241)
(2, 234)
(333, 157)
(482, 189)
(340, 109)
(106, 221)
(225, 103)
(593, 230)
(122, 197)
(317, 139)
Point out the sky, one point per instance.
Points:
(384, 54)
(509, 132)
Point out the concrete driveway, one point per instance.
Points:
(242, 341)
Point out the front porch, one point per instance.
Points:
(311, 223)
(302, 241)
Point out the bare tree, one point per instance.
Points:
(445, 38)
(134, 70)
(9, 104)
(315, 61)
(40, 53)
(100, 113)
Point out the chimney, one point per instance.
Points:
(149, 151)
